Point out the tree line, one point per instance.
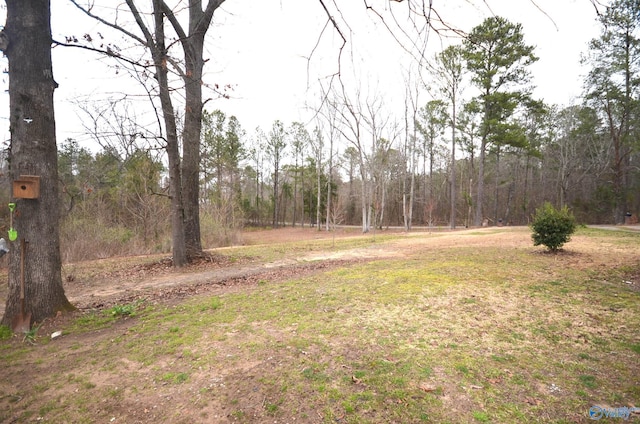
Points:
(488, 154)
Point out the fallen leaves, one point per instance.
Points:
(533, 401)
(429, 388)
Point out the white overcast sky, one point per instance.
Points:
(260, 47)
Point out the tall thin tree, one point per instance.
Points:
(276, 144)
(448, 70)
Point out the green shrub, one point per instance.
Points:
(552, 227)
(122, 310)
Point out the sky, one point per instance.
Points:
(263, 49)
(279, 82)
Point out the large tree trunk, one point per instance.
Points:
(27, 44)
(191, 166)
(178, 240)
(194, 64)
(193, 47)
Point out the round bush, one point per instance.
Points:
(552, 227)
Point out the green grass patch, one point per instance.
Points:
(480, 416)
(175, 378)
(5, 332)
(588, 381)
(122, 310)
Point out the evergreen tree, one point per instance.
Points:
(498, 60)
(613, 89)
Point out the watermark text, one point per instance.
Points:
(599, 412)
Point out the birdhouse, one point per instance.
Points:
(26, 187)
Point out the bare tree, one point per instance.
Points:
(318, 148)
(352, 129)
(257, 157)
(300, 140)
(577, 151)
(330, 117)
(376, 123)
(275, 148)
(333, 138)
(410, 152)
(431, 123)
(183, 170)
(448, 72)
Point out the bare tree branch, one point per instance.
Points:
(545, 14)
(597, 3)
(149, 43)
(182, 36)
(338, 30)
(109, 24)
(207, 15)
(107, 52)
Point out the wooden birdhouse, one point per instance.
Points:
(26, 187)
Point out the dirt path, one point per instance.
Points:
(112, 283)
(214, 276)
(160, 281)
(223, 276)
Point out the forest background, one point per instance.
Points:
(361, 155)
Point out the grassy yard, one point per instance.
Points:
(453, 328)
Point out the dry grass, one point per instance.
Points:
(474, 326)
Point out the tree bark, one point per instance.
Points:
(33, 151)
(173, 154)
(193, 47)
